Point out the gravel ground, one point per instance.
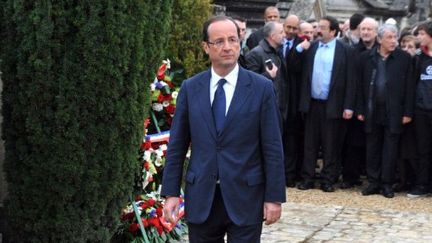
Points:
(353, 198)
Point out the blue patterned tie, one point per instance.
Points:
(219, 106)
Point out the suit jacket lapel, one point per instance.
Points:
(203, 89)
(241, 93)
(337, 62)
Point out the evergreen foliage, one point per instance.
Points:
(186, 37)
(75, 76)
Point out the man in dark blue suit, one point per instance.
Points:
(229, 116)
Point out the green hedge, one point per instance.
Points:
(186, 37)
(75, 76)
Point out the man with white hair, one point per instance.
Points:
(354, 150)
(386, 97)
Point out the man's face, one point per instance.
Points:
(388, 41)
(306, 29)
(223, 45)
(291, 27)
(368, 31)
(423, 38)
(271, 15)
(278, 34)
(315, 28)
(324, 32)
(242, 27)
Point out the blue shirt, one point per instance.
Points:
(322, 70)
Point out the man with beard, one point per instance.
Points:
(327, 98)
(386, 96)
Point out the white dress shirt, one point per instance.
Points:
(228, 87)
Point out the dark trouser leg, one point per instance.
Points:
(333, 132)
(311, 141)
(293, 147)
(374, 141)
(423, 125)
(214, 228)
(240, 234)
(389, 157)
(290, 148)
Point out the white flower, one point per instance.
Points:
(174, 94)
(157, 106)
(168, 63)
(163, 147)
(147, 155)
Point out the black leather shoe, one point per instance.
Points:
(306, 185)
(370, 190)
(327, 187)
(387, 192)
(290, 183)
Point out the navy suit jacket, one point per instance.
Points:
(247, 154)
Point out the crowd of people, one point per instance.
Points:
(355, 93)
(292, 93)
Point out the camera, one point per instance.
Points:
(269, 64)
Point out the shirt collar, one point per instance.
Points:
(330, 44)
(231, 77)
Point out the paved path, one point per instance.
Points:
(311, 223)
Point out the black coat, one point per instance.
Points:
(399, 88)
(342, 86)
(293, 60)
(254, 38)
(255, 61)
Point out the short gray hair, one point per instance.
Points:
(386, 28)
(269, 28)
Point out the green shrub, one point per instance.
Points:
(185, 40)
(75, 77)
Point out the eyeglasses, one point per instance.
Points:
(220, 43)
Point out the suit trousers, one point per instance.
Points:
(293, 147)
(381, 155)
(326, 133)
(218, 224)
(423, 126)
(354, 151)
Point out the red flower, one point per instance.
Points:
(151, 202)
(156, 223)
(146, 145)
(162, 98)
(145, 222)
(133, 228)
(127, 216)
(146, 166)
(161, 72)
(159, 212)
(170, 109)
